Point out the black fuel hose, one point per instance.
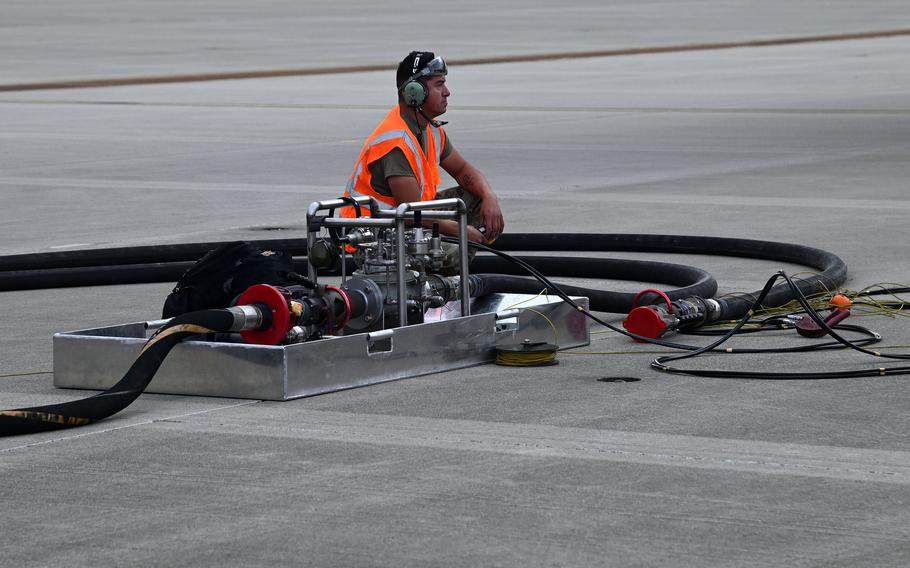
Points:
(91, 275)
(74, 268)
(165, 263)
(107, 403)
(119, 265)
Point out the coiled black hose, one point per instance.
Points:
(165, 263)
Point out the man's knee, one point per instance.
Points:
(472, 202)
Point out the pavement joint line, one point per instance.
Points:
(26, 374)
(621, 186)
(126, 426)
(525, 58)
(109, 184)
(474, 108)
(738, 201)
(558, 442)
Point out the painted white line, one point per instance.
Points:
(71, 245)
(82, 434)
(534, 441)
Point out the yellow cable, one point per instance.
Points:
(539, 294)
(553, 327)
(530, 358)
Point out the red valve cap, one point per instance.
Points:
(645, 321)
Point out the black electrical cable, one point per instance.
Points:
(870, 339)
(804, 302)
(661, 362)
(884, 291)
(107, 403)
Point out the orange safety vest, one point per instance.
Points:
(393, 132)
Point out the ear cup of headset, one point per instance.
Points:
(414, 93)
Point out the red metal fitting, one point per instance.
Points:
(271, 298)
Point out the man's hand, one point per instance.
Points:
(474, 235)
(491, 217)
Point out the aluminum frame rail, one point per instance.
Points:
(382, 216)
(97, 358)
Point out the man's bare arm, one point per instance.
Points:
(471, 179)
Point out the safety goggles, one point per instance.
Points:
(437, 66)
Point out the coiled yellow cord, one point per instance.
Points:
(526, 355)
(525, 358)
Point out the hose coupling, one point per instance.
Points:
(246, 317)
(653, 321)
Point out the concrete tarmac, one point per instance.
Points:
(488, 466)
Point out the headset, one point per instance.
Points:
(414, 91)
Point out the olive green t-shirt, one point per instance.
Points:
(395, 163)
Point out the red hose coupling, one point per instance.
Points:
(271, 300)
(650, 321)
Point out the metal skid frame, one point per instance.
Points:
(97, 358)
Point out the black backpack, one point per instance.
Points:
(224, 273)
